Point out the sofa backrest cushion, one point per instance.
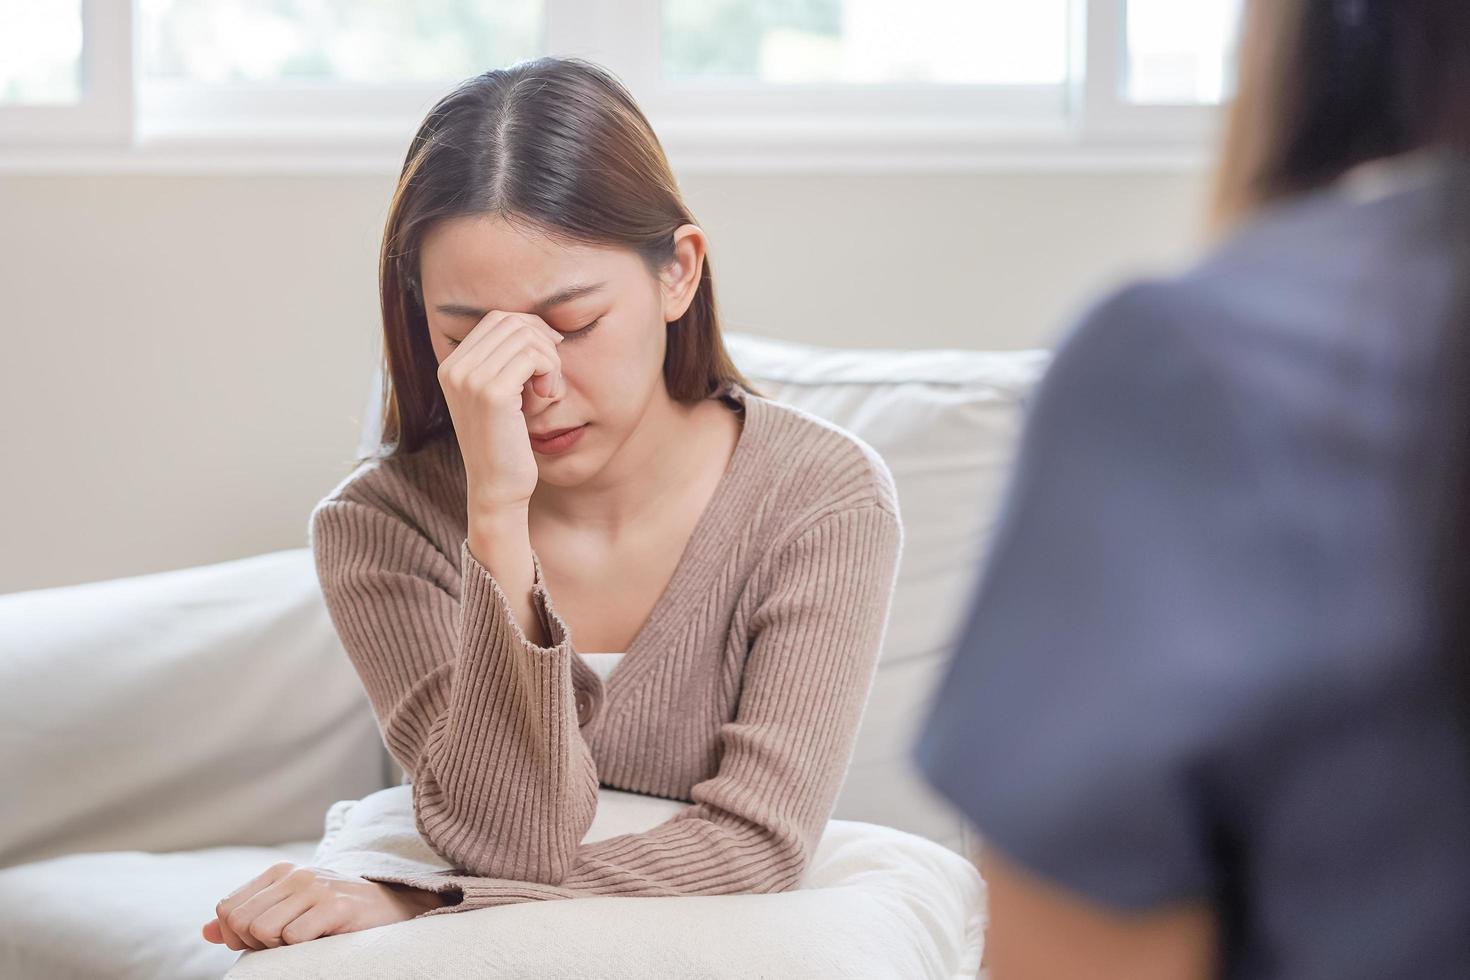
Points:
(205, 706)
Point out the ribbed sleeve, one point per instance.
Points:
(482, 720)
(814, 641)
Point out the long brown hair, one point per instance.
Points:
(558, 142)
(1325, 85)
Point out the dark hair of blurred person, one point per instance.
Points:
(1208, 709)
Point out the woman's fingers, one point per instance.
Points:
(481, 341)
(314, 923)
(246, 919)
(487, 400)
(237, 909)
(507, 365)
(543, 371)
(534, 368)
(269, 926)
(518, 361)
(231, 938)
(498, 329)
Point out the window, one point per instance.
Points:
(1181, 52)
(65, 74)
(845, 84)
(952, 42)
(41, 53)
(358, 42)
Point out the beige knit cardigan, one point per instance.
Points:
(741, 693)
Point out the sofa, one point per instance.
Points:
(165, 737)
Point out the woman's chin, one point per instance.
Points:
(564, 472)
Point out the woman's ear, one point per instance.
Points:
(680, 279)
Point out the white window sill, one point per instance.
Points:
(725, 148)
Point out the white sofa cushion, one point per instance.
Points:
(206, 706)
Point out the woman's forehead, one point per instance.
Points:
(510, 264)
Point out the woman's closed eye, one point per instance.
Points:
(582, 331)
(572, 335)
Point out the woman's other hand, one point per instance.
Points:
(289, 903)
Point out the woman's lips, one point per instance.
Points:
(557, 440)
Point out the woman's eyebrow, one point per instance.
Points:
(555, 299)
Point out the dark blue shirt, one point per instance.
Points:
(1200, 662)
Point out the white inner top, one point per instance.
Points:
(601, 663)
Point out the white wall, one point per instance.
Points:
(185, 358)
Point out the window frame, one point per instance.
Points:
(1108, 114)
(128, 123)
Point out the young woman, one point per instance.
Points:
(1204, 711)
(575, 470)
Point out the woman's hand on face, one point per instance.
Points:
(289, 903)
(505, 359)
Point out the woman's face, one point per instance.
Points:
(605, 300)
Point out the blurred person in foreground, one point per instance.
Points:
(1208, 708)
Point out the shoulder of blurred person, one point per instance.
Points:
(1348, 284)
(1296, 370)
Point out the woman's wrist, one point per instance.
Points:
(500, 540)
(414, 900)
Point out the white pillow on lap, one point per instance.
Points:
(875, 902)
